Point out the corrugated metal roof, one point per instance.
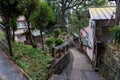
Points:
(102, 13)
(36, 33)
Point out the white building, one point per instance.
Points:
(101, 18)
(21, 28)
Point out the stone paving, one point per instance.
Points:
(79, 68)
(8, 70)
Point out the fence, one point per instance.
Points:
(110, 65)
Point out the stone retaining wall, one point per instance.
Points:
(61, 64)
(60, 59)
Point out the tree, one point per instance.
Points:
(62, 6)
(115, 31)
(57, 32)
(13, 24)
(8, 10)
(79, 17)
(49, 43)
(58, 41)
(41, 18)
(28, 7)
(78, 20)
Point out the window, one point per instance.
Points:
(21, 24)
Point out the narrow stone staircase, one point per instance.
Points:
(79, 68)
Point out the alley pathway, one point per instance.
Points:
(79, 67)
(9, 71)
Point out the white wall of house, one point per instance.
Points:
(22, 27)
(90, 53)
(20, 38)
(91, 39)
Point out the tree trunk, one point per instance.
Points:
(13, 35)
(42, 39)
(8, 39)
(29, 33)
(6, 21)
(80, 38)
(63, 21)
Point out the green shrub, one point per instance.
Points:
(115, 33)
(35, 44)
(57, 32)
(49, 42)
(58, 41)
(64, 33)
(33, 61)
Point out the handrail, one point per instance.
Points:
(61, 46)
(3, 32)
(3, 41)
(111, 68)
(2, 27)
(60, 49)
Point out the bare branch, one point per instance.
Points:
(73, 5)
(69, 2)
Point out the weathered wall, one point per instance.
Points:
(102, 30)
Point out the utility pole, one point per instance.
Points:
(117, 11)
(117, 16)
